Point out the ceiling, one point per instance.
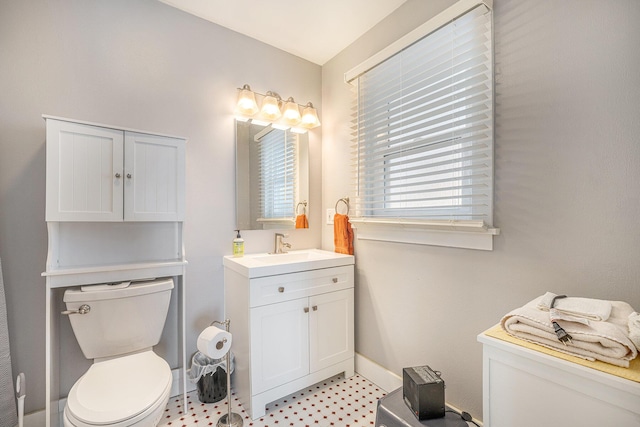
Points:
(315, 30)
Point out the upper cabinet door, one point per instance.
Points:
(84, 172)
(154, 178)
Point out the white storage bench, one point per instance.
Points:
(525, 387)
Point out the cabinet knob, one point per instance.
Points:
(281, 289)
(118, 175)
(315, 308)
(306, 309)
(335, 280)
(129, 175)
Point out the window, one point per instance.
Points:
(277, 152)
(423, 132)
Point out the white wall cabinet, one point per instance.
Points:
(96, 173)
(289, 331)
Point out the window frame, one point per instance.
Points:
(289, 155)
(466, 233)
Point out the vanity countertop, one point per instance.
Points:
(267, 264)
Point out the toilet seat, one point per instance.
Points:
(128, 390)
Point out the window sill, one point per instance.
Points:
(454, 234)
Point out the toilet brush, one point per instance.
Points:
(20, 394)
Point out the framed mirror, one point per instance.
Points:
(272, 177)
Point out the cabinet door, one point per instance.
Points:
(331, 336)
(84, 172)
(154, 178)
(279, 344)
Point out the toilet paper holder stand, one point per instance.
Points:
(230, 419)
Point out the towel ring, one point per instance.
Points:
(304, 206)
(344, 200)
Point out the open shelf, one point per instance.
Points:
(107, 273)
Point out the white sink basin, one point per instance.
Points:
(265, 264)
(297, 256)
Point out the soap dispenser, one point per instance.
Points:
(238, 245)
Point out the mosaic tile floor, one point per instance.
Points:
(335, 402)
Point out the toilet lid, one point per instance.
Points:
(118, 389)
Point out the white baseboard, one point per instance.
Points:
(383, 378)
(177, 380)
(380, 376)
(35, 419)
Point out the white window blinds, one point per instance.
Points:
(277, 151)
(423, 128)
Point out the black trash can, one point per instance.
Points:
(212, 387)
(210, 376)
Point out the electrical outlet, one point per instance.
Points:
(330, 215)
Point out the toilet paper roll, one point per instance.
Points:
(214, 342)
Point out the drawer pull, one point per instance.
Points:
(281, 289)
(315, 308)
(306, 309)
(335, 280)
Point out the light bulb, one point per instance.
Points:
(309, 117)
(247, 105)
(270, 107)
(291, 115)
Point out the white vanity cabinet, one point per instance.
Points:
(289, 331)
(97, 173)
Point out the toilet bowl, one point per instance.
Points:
(126, 391)
(128, 384)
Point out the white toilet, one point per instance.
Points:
(128, 384)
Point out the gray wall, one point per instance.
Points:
(567, 168)
(567, 163)
(144, 65)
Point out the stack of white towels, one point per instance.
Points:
(608, 331)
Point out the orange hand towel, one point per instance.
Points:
(342, 234)
(302, 221)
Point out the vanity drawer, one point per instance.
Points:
(285, 287)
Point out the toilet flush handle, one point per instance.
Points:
(84, 309)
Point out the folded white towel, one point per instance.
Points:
(576, 307)
(606, 341)
(634, 329)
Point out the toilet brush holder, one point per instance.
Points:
(230, 419)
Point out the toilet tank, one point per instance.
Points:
(122, 318)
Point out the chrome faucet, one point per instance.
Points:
(280, 244)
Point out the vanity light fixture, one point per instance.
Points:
(270, 110)
(291, 115)
(309, 118)
(247, 105)
(274, 111)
